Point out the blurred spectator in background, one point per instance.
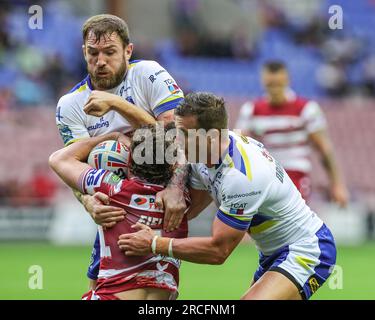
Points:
(314, 33)
(287, 124)
(188, 25)
(42, 186)
(194, 38)
(342, 49)
(38, 191)
(6, 100)
(33, 63)
(332, 78)
(369, 76)
(242, 47)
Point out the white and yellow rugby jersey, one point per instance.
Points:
(254, 193)
(146, 84)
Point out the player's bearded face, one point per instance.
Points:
(106, 61)
(105, 79)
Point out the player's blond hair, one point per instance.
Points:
(105, 24)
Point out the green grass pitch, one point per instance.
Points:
(64, 270)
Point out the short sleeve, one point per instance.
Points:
(195, 181)
(245, 116)
(69, 121)
(101, 180)
(163, 93)
(314, 117)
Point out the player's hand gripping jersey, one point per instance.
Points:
(146, 84)
(118, 272)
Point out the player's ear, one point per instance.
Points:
(128, 51)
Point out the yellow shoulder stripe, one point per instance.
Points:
(72, 141)
(246, 160)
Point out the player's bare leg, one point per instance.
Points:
(144, 294)
(272, 286)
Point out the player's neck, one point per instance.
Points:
(278, 100)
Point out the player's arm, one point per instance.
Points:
(71, 126)
(69, 162)
(229, 227)
(200, 199)
(100, 102)
(172, 198)
(207, 250)
(323, 145)
(317, 127)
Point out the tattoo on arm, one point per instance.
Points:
(180, 176)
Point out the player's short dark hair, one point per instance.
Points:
(209, 110)
(154, 173)
(274, 66)
(105, 24)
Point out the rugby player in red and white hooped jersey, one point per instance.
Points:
(121, 277)
(118, 95)
(287, 124)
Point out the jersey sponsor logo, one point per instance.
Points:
(120, 172)
(242, 195)
(65, 132)
(267, 155)
(172, 86)
(111, 179)
(142, 202)
(236, 211)
(102, 123)
(152, 77)
(139, 201)
(94, 178)
(150, 221)
(314, 284)
(160, 72)
(238, 205)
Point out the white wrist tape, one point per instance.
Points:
(153, 244)
(170, 248)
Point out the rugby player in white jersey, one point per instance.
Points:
(118, 95)
(254, 194)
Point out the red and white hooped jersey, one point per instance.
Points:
(284, 129)
(138, 199)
